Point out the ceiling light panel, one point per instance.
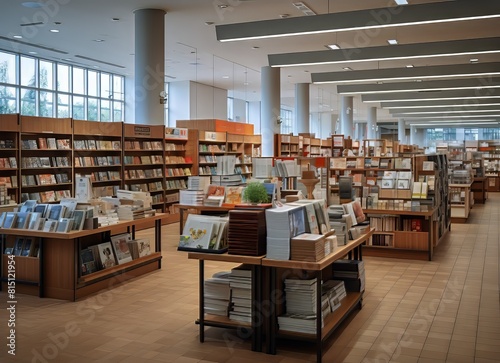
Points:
(441, 103)
(437, 95)
(388, 53)
(456, 109)
(363, 19)
(395, 74)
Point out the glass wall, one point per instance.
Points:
(39, 87)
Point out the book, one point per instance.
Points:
(139, 247)
(9, 220)
(22, 220)
(35, 221)
(27, 247)
(120, 247)
(64, 225)
(78, 219)
(18, 246)
(55, 211)
(50, 225)
(106, 255)
(197, 234)
(87, 261)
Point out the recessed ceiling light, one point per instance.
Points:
(401, 2)
(332, 46)
(347, 68)
(418, 80)
(284, 16)
(17, 36)
(54, 30)
(246, 83)
(98, 40)
(32, 4)
(96, 66)
(474, 60)
(409, 66)
(32, 52)
(392, 41)
(223, 6)
(225, 77)
(67, 59)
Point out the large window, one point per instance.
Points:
(287, 124)
(39, 87)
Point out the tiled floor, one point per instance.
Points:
(446, 310)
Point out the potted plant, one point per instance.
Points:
(255, 193)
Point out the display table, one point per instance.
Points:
(460, 202)
(56, 272)
(480, 189)
(333, 320)
(222, 321)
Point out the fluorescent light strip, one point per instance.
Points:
(439, 99)
(446, 116)
(410, 78)
(434, 95)
(457, 123)
(399, 113)
(471, 121)
(438, 104)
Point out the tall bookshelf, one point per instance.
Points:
(252, 145)
(46, 158)
(210, 145)
(97, 151)
(143, 157)
(178, 164)
(9, 159)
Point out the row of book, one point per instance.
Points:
(24, 246)
(212, 148)
(9, 181)
(45, 162)
(174, 147)
(145, 187)
(44, 179)
(97, 161)
(247, 159)
(143, 173)
(8, 163)
(175, 184)
(90, 144)
(208, 158)
(178, 160)
(7, 144)
(46, 196)
(119, 250)
(101, 176)
(5, 197)
(104, 191)
(143, 160)
(240, 170)
(370, 162)
(143, 145)
(178, 171)
(49, 143)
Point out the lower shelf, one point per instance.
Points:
(223, 322)
(332, 321)
(381, 251)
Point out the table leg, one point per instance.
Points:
(319, 313)
(272, 321)
(202, 301)
(181, 221)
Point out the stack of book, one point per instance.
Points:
(247, 232)
(198, 183)
(217, 294)
(352, 272)
(131, 212)
(283, 223)
(301, 306)
(240, 282)
(191, 197)
(340, 222)
(335, 291)
(308, 247)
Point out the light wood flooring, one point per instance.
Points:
(446, 310)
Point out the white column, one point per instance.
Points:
(346, 116)
(413, 135)
(371, 127)
(270, 108)
(302, 107)
(401, 131)
(149, 66)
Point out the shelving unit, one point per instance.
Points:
(9, 158)
(179, 166)
(144, 161)
(461, 202)
(374, 147)
(56, 272)
(236, 146)
(46, 158)
(210, 145)
(98, 155)
(337, 145)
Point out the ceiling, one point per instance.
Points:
(192, 51)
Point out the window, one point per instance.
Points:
(40, 87)
(286, 121)
(230, 109)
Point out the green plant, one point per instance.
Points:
(255, 193)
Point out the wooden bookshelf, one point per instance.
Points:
(46, 158)
(9, 159)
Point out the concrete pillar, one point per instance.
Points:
(413, 135)
(401, 131)
(346, 116)
(371, 127)
(302, 107)
(270, 108)
(149, 66)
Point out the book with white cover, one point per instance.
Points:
(120, 247)
(106, 255)
(64, 225)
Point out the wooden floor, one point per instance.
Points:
(446, 310)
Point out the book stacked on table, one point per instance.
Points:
(352, 272)
(247, 232)
(282, 224)
(217, 294)
(335, 291)
(240, 281)
(308, 247)
(191, 197)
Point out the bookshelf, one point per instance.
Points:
(461, 202)
(9, 159)
(97, 151)
(374, 147)
(179, 166)
(491, 156)
(56, 272)
(210, 145)
(326, 147)
(46, 159)
(144, 162)
(337, 145)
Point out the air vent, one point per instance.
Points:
(304, 8)
(99, 61)
(32, 24)
(10, 40)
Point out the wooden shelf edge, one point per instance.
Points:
(102, 274)
(223, 321)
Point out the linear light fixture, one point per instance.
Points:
(386, 53)
(401, 74)
(441, 103)
(441, 85)
(441, 12)
(437, 95)
(426, 116)
(455, 123)
(434, 110)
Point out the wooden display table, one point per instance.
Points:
(333, 320)
(480, 189)
(223, 321)
(460, 206)
(56, 272)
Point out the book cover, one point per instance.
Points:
(144, 246)
(10, 220)
(50, 225)
(27, 247)
(106, 255)
(196, 234)
(88, 264)
(64, 225)
(18, 246)
(35, 221)
(120, 247)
